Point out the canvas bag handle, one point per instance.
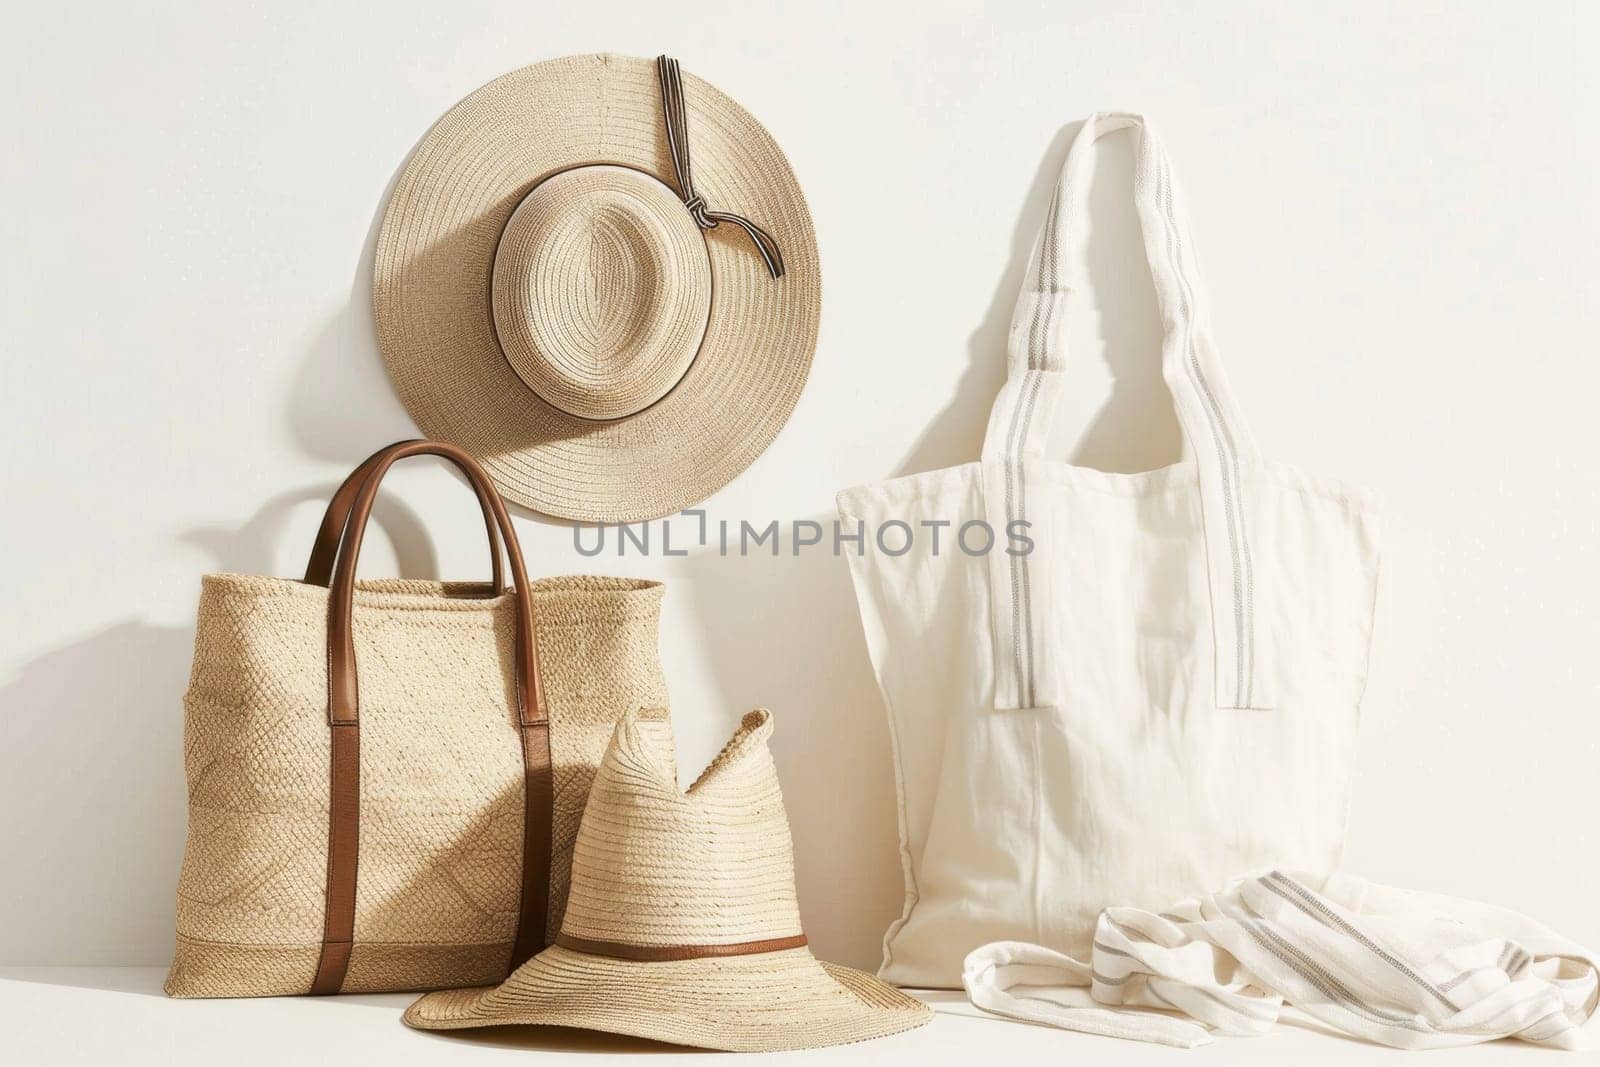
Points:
(1024, 413)
(344, 814)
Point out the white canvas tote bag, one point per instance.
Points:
(1160, 696)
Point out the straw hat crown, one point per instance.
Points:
(682, 923)
(655, 865)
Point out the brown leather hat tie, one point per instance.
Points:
(678, 140)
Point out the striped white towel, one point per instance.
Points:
(1405, 969)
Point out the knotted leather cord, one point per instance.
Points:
(677, 117)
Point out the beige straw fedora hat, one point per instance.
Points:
(681, 923)
(612, 324)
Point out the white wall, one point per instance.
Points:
(1397, 213)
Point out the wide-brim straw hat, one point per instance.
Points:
(682, 923)
(614, 317)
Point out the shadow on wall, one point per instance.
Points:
(782, 632)
(342, 405)
(70, 725)
(71, 720)
(1136, 426)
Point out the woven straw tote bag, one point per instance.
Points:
(1163, 694)
(412, 828)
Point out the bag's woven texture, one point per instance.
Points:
(439, 881)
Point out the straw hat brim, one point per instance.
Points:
(768, 1002)
(433, 278)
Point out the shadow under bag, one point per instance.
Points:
(408, 826)
(1161, 695)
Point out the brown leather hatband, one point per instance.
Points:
(665, 953)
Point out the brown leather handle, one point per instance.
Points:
(319, 569)
(343, 688)
(355, 500)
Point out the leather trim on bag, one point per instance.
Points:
(667, 953)
(344, 848)
(538, 832)
(319, 569)
(355, 500)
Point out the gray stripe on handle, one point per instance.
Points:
(1244, 533)
(1027, 564)
(1016, 562)
(1016, 482)
(1049, 251)
(1222, 439)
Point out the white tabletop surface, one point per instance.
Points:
(118, 1015)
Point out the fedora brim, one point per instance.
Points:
(432, 291)
(768, 1002)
